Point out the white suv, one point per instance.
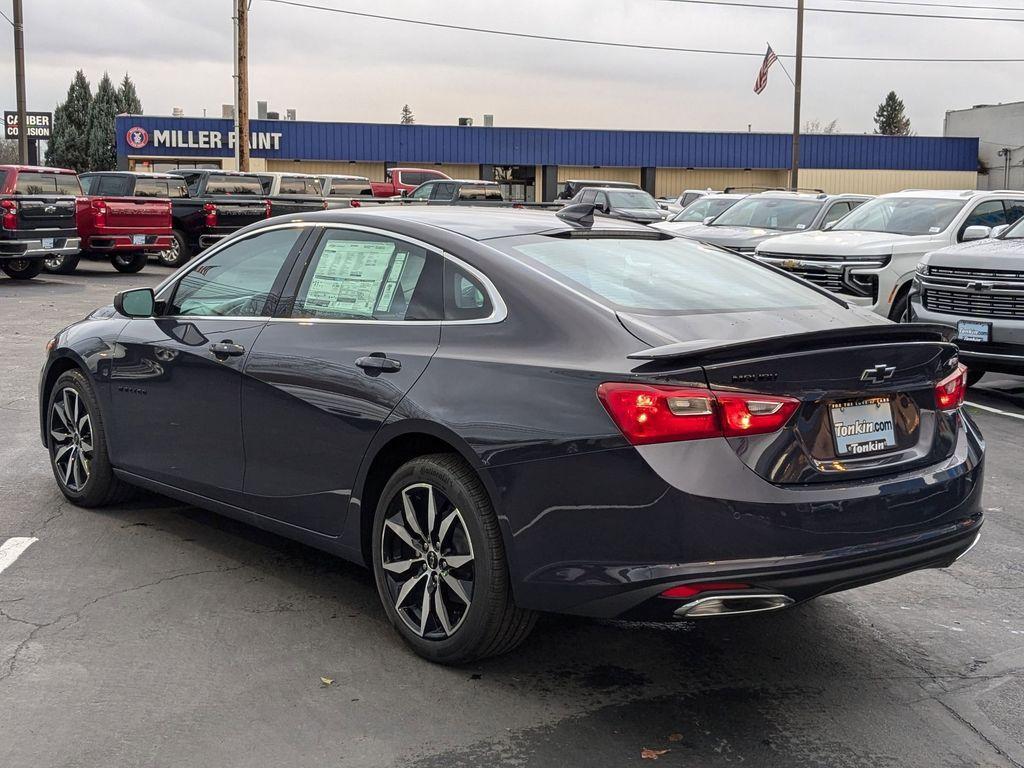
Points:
(870, 255)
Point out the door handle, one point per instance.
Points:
(376, 362)
(227, 348)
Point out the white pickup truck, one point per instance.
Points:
(870, 255)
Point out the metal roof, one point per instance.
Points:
(372, 142)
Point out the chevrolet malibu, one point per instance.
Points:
(503, 412)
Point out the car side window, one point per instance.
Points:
(1014, 210)
(356, 275)
(423, 191)
(835, 213)
(987, 214)
(464, 296)
(602, 200)
(238, 280)
(588, 196)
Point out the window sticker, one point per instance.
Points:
(348, 277)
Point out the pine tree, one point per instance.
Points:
(69, 147)
(408, 118)
(102, 111)
(128, 102)
(890, 117)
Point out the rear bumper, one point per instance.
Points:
(39, 247)
(119, 243)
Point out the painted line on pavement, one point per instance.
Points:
(11, 550)
(990, 409)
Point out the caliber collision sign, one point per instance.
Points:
(39, 124)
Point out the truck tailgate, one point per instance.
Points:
(42, 213)
(133, 214)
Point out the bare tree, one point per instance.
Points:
(817, 126)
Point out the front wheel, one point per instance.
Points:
(178, 253)
(439, 563)
(22, 269)
(129, 263)
(61, 265)
(900, 311)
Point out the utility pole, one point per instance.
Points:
(19, 77)
(242, 84)
(794, 172)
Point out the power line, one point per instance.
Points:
(635, 46)
(851, 11)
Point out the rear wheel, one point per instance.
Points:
(22, 269)
(129, 262)
(61, 265)
(439, 563)
(77, 440)
(178, 253)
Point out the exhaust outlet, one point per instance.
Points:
(732, 605)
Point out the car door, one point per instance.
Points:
(325, 374)
(176, 377)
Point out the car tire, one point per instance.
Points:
(973, 376)
(22, 269)
(900, 310)
(129, 263)
(76, 438)
(178, 253)
(61, 265)
(470, 613)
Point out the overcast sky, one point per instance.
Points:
(334, 67)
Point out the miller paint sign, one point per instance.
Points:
(140, 138)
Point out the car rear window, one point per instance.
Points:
(29, 183)
(673, 276)
(480, 192)
(234, 185)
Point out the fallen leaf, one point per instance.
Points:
(675, 737)
(652, 754)
(326, 680)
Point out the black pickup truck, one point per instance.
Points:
(292, 193)
(37, 217)
(218, 203)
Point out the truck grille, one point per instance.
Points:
(976, 274)
(975, 304)
(833, 281)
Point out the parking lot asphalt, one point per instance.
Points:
(158, 634)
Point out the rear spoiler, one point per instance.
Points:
(713, 350)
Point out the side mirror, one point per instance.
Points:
(829, 226)
(997, 231)
(976, 232)
(707, 220)
(139, 302)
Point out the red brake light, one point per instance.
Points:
(647, 413)
(266, 208)
(354, 204)
(99, 208)
(9, 216)
(211, 214)
(950, 392)
(689, 590)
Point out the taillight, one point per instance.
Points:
(10, 214)
(324, 205)
(99, 210)
(354, 204)
(647, 413)
(266, 209)
(689, 590)
(950, 392)
(211, 214)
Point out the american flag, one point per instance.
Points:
(762, 77)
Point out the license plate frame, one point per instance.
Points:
(974, 331)
(867, 426)
(138, 239)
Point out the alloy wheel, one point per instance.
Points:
(54, 262)
(427, 558)
(171, 255)
(72, 439)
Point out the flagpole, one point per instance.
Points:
(794, 172)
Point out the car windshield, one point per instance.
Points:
(700, 209)
(902, 215)
(770, 213)
(630, 198)
(672, 276)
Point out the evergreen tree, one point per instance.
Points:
(407, 116)
(102, 111)
(128, 102)
(890, 117)
(69, 147)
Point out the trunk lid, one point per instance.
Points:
(866, 393)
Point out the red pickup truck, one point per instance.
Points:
(402, 181)
(121, 217)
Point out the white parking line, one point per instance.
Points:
(995, 410)
(11, 550)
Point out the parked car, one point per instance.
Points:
(572, 187)
(685, 198)
(503, 412)
(292, 193)
(123, 217)
(977, 288)
(617, 203)
(336, 185)
(37, 217)
(870, 256)
(401, 181)
(459, 192)
(768, 215)
(701, 211)
(218, 203)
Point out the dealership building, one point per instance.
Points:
(532, 162)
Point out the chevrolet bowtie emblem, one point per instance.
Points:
(878, 374)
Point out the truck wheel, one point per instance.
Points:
(61, 265)
(22, 269)
(129, 263)
(178, 253)
(900, 311)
